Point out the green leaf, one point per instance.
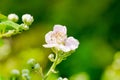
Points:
(2, 27)
(2, 17)
(11, 25)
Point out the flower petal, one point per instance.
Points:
(60, 28)
(49, 45)
(72, 43)
(48, 38)
(64, 48)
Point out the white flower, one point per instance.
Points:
(15, 72)
(13, 17)
(58, 39)
(27, 19)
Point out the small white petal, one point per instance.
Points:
(49, 45)
(48, 37)
(13, 17)
(60, 28)
(64, 48)
(27, 19)
(72, 43)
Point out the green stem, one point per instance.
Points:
(41, 73)
(52, 67)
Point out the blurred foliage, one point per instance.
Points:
(5, 49)
(95, 23)
(80, 76)
(112, 72)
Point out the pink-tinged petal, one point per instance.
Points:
(60, 28)
(48, 37)
(64, 48)
(49, 45)
(72, 43)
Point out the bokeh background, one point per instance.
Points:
(95, 23)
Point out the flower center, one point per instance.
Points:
(59, 37)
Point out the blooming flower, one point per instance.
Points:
(27, 19)
(58, 39)
(13, 17)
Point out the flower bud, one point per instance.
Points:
(27, 19)
(13, 17)
(31, 62)
(15, 72)
(60, 78)
(65, 78)
(25, 74)
(24, 26)
(51, 57)
(37, 66)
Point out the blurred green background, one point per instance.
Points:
(95, 23)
